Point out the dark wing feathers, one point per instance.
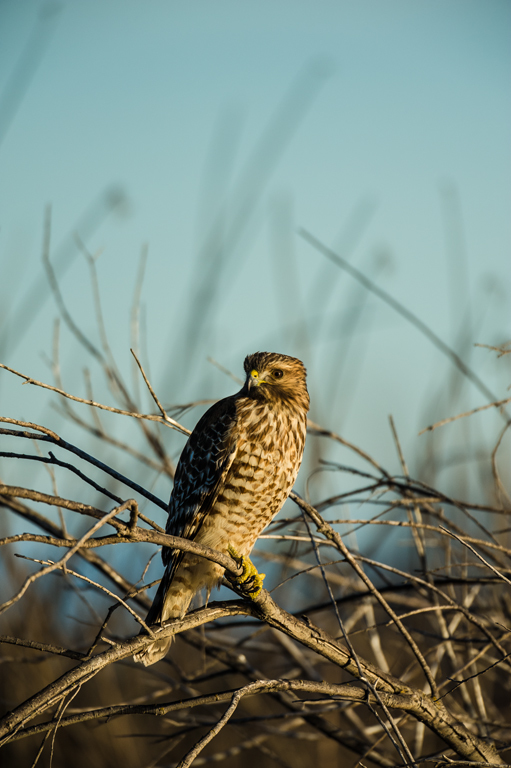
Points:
(200, 473)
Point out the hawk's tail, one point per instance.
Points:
(168, 603)
(173, 597)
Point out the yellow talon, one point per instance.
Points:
(250, 580)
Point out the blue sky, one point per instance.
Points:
(381, 127)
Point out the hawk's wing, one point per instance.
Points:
(200, 474)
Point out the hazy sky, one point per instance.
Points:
(381, 127)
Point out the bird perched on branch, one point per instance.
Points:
(235, 473)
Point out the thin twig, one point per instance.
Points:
(61, 563)
(108, 592)
(56, 440)
(471, 548)
(497, 404)
(146, 416)
(151, 390)
(328, 531)
(403, 311)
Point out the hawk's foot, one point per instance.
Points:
(250, 580)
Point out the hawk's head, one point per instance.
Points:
(277, 378)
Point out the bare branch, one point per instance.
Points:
(56, 440)
(148, 416)
(496, 404)
(49, 568)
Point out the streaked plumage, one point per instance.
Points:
(235, 472)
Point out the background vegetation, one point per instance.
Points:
(385, 639)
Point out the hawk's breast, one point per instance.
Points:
(269, 450)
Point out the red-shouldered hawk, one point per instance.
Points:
(235, 473)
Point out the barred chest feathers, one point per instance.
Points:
(273, 438)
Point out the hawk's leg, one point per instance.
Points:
(250, 580)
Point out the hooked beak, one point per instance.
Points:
(253, 380)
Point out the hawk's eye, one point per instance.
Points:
(278, 374)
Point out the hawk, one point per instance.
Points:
(235, 473)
